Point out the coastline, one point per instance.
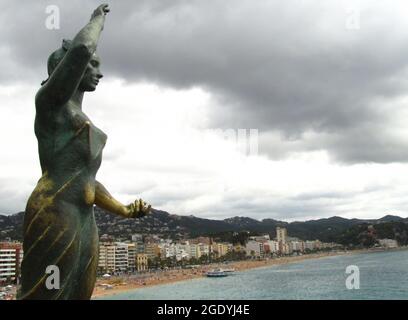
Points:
(129, 283)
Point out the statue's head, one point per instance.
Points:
(92, 73)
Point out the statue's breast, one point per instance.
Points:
(78, 136)
(92, 138)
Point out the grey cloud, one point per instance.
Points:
(270, 65)
(281, 209)
(10, 200)
(373, 142)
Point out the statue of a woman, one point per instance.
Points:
(59, 222)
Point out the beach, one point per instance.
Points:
(120, 284)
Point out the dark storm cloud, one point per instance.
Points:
(271, 65)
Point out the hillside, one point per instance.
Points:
(334, 229)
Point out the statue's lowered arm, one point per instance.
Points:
(105, 200)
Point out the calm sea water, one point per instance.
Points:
(383, 275)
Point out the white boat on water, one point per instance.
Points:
(216, 273)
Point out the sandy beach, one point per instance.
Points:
(130, 282)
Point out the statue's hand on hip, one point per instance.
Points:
(138, 209)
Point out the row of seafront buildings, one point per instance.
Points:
(116, 257)
(130, 256)
(263, 246)
(133, 256)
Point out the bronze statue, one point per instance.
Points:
(59, 222)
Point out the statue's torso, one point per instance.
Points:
(70, 145)
(59, 224)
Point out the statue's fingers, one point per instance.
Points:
(144, 205)
(131, 209)
(136, 206)
(134, 210)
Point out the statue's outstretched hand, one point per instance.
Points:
(102, 10)
(138, 209)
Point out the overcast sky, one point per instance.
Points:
(323, 84)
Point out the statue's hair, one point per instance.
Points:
(55, 58)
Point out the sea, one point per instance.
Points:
(362, 276)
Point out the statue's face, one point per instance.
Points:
(92, 75)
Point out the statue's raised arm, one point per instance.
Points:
(65, 74)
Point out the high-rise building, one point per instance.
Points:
(117, 257)
(11, 255)
(107, 257)
(254, 249)
(132, 253)
(195, 251)
(121, 257)
(281, 234)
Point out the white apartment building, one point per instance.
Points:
(107, 257)
(167, 250)
(273, 246)
(117, 257)
(297, 246)
(132, 253)
(286, 248)
(311, 245)
(254, 248)
(121, 257)
(11, 255)
(388, 243)
(182, 251)
(195, 251)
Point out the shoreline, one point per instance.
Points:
(133, 282)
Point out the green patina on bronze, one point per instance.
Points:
(59, 222)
